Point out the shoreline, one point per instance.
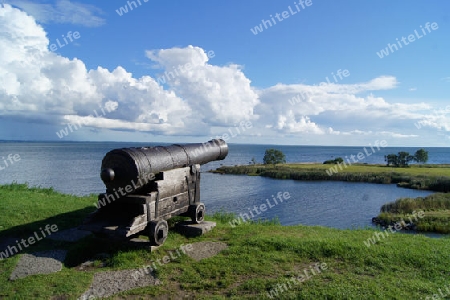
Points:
(419, 177)
(432, 177)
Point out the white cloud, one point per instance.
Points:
(37, 81)
(397, 135)
(64, 11)
(436, 121)
(219, 95)
(343, 111)
(290, 124)
(436, 118)
(379, 83)
(41, 85)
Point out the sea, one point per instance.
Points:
(74, 168)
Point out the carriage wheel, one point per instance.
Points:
(158, 232)
(197, 213)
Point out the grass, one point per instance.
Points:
(260, 256)
(24, 209)
(434, 202)
(415, 169)
(436, 209)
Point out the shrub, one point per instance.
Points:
(333, 161)
(274, 156)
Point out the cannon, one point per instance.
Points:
(146, 186)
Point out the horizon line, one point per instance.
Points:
(262, 144)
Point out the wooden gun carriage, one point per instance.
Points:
(146, 186)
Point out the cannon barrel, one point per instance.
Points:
(127, 166)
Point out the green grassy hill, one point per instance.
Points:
(262, 258)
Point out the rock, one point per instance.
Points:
(45, 262)
(191, 229)
(86, 265)
(106, 284)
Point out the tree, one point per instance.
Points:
(402, 159)
(253, 161)
(391, 159)
(273, 156)
(421, 156)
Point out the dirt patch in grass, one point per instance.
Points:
(204, 250)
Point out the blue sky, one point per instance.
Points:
(272, 84)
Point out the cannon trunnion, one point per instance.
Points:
(147, 186)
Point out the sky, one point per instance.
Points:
(286, 72)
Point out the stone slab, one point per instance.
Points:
(45, 262)
(190, 229)
(109, 283)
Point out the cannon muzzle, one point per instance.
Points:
(129, 166)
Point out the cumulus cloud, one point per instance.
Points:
(37, 81)
(191, 96)
(437, 119)
(63, 11)
(343, 110)
(222, 95)
(291, 124)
